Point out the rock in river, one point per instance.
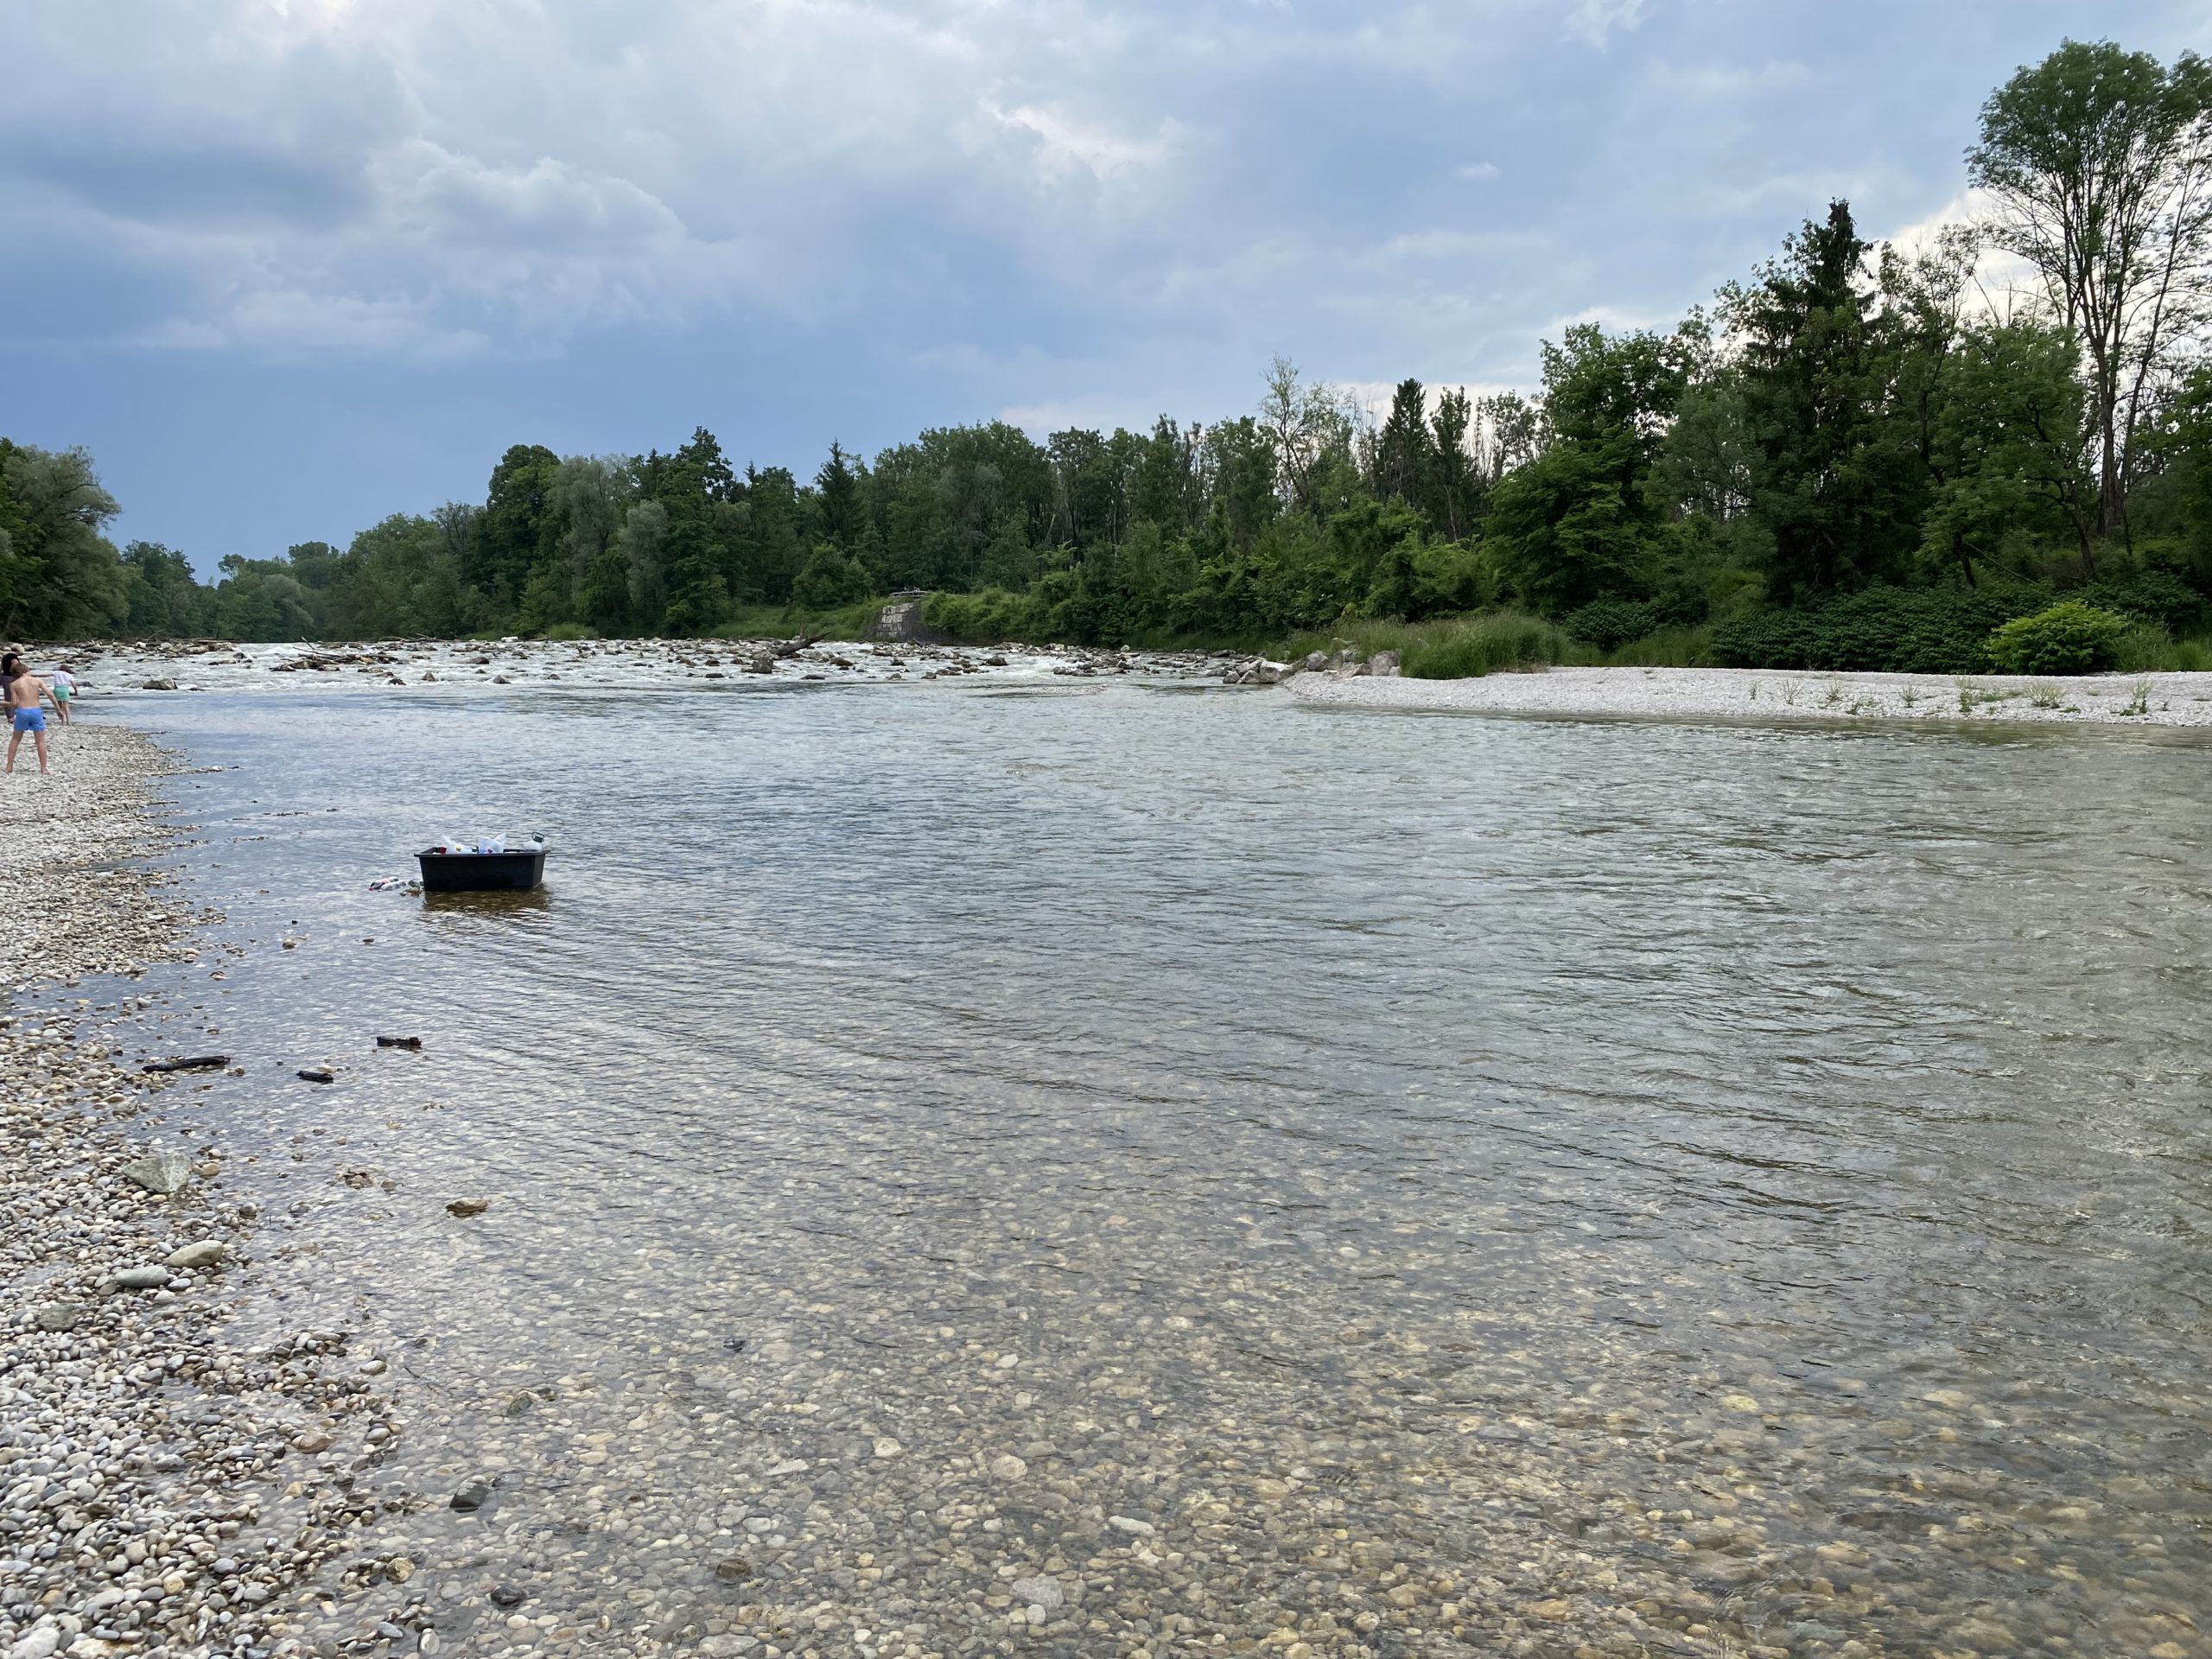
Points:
(204, 1254)
(468, 1206)
(160, 1171)
(471, 1497)
(1039, 1591)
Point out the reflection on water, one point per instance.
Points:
(1398, 1183)
(492, 903)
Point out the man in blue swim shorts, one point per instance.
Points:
(26, 694)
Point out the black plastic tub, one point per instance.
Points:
(510, 872)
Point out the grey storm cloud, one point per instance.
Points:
(924, 210)
(501, 174)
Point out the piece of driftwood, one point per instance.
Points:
(191, 1063)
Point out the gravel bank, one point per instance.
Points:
(159, 1493)
(1781, 696)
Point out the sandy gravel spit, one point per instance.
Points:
(163, 1489)
(1783, 696)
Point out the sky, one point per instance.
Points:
(288, 266)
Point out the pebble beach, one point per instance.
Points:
(1777, 696)
(158, 1493)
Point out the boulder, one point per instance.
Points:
(1383, 665)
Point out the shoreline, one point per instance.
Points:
(1782, 697)
(139, 1449)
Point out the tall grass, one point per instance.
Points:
(2149, 649)
(1484, 645)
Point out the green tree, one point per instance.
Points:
(262, 599)
(1578, 523)
(1835, 479)
(837, 497)
(162, 598)
(518, 529)
(1455, 501)
(404, 576)
(2004, 449)
(642, 543)
(1407, 466)
(688, 485)
(59, 574)
(830, 579)
(2100, 164)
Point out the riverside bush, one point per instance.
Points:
(1609, 623)
(2069, 638)
(989, 617)
(1901, 630)
(1482, 644)
(2152, 595)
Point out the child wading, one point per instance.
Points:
(26, 694)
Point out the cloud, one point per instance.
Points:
(290, 325)
(1062, 143)
(1066, 208)
(1595, 20)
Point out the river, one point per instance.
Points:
(1379, 1182)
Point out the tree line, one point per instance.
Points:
(1848, 418)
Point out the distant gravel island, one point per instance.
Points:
(1781, 696)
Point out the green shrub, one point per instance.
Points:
(1484, 644)
(1899, 630)
(2152, 596)
(2069, 638)
(1609, 623)
(991, 617)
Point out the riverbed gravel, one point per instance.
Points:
(1782, 697)
(160, 1490)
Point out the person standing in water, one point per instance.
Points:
(26, 711)
(63, 685)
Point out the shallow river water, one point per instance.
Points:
(1385, 1183)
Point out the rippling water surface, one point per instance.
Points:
(1565, 1186)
